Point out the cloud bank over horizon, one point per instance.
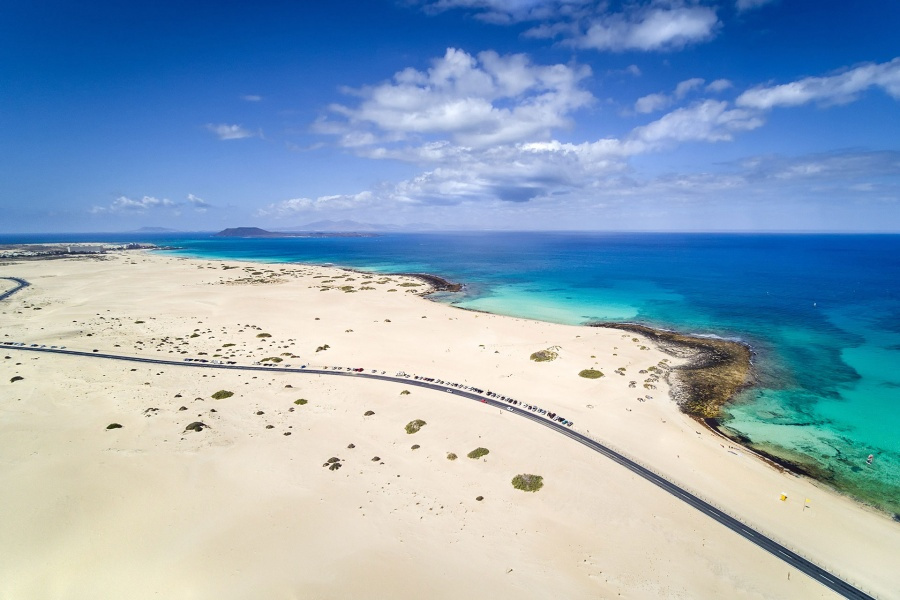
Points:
(527, 114)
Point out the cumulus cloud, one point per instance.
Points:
(651, 103)
(719, 85)
(655, 102)
(649, 29)
(296, 206)
(478, 100)
(511, 11)
(840, 88)
(657, 25)
(124, 205)
(229, 132)
(705, 121)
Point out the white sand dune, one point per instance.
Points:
(240, 510)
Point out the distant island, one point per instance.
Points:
(256, 232)
(154, 230)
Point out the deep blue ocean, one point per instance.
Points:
(822, 313)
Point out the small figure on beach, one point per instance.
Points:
(870, 459)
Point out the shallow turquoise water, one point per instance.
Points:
(821, 312)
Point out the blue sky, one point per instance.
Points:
(465, 114)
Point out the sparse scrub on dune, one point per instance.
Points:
(478, 453)
(590, 374)
(414, 426)
(451, 456)
(263, 335)
(301, 401)
(527, 482)
(222, 394)
(544, 355)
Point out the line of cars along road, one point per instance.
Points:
(511, 401)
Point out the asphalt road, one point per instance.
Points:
(22, 283)
(801, 564)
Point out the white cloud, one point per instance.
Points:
(511, 11)
(719, 85)
(840, 88)
(478, 100)
(296, 206)
(251, 98)
(743, 5)
(707, 121)
(124, 204)
(655, 27)
(229, 132)
(198, 204)
(686, 86)
(651, 103)
(655, 102)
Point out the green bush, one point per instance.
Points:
(451, 456)
(478, 453)
(527, 482)
(590, 374)
(222, 394)
(301, 401)
(544, 356)
(414, 426)
(263, 335)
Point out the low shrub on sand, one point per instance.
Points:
(263, 335)
(301, 401)
(414, 426)
(478, 453)
(544, 356)
(451, 456)
(222, 394)
(590, 374)
(527, 482)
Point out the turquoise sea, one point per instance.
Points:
(822, 313)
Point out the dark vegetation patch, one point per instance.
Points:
(528, 482)
(478, 453)
(414, 426)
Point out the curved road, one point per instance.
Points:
(819, 574)
(22, 284)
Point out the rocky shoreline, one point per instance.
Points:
(437, 284)
(716, 369)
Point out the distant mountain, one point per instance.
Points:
(245, 232)
(256, 232)
(348, 226)
(345, 225)
(154, 230)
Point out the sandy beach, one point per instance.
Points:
(246, 508)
